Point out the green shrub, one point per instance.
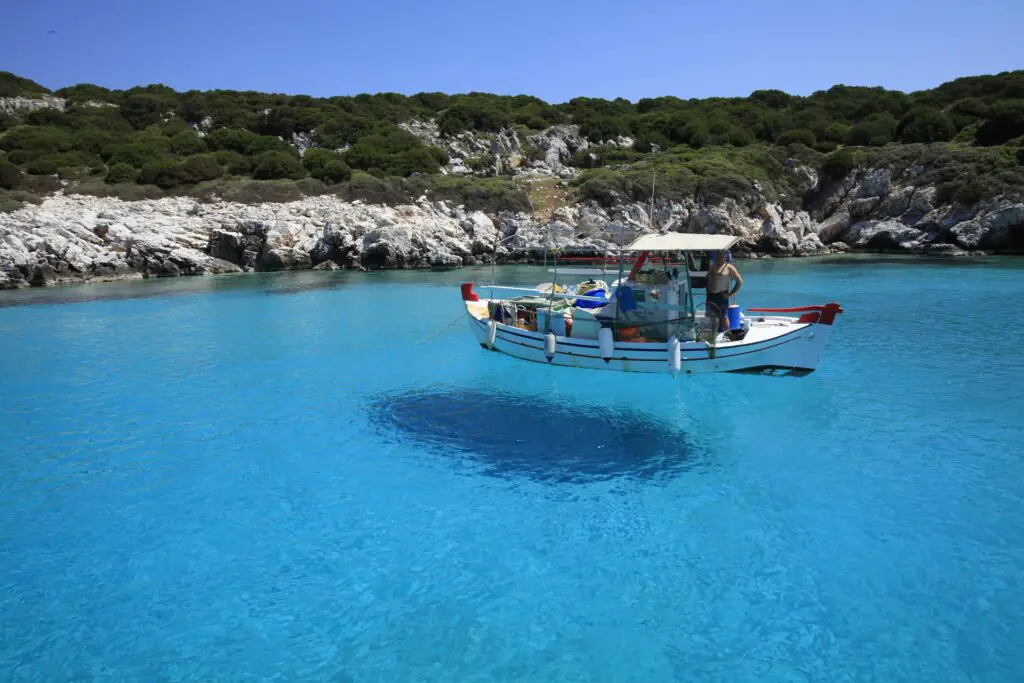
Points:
(413, 161)
(142, 110)
(36, 139)
(925, 124)
(173, 126)
(482, 113)
(234, 139)
(267, 143)
(836, 132)
(138, 152)
(876, 130)
(7, 122)
(440, 156)
(316, 157)
(286, 120)
(341, 130)
(233, 162)
(161, 172)
(391, 151)
(85, 92)
(73, 158)
(492, 195)
(40, 184)
(327, 166)
(10, 175)
(47, 116)
(187, 143)
(20, 156)
(9, 204)
(91, 140)
(25, 197)
(642, 143)
(333, 172)
(277, 164)
(41, 167)
(968, 111)
(196, 169)
(839, 163)
(802, 136)
(1004, 121)
(105, 119)
(121, 173)
(372, 190)
(970, 192)
(603, 186)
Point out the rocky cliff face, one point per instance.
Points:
(76, 238)
(543, 153)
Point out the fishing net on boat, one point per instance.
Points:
(706, 326)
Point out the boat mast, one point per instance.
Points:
(618, 286)
(494, 260)
(551, 297)
(650, 217)
(547, 241)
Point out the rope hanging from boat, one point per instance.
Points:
(431, 336)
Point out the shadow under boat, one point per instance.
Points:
(543, 439)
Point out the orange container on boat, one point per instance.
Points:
(627, 333)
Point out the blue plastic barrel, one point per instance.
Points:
(596, 293)
(734, 317)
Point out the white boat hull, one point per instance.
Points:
(794, 351)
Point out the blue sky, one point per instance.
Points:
(554, 50)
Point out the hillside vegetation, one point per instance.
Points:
(967, 135)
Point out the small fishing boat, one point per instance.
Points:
(649, 319)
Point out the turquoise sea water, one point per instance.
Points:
(266, 477)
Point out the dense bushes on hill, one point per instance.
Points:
(10, 175)
(16, 86)
(156, 136)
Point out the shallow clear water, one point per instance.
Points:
(266, 477)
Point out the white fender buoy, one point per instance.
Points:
(549, 345)
(674, 360)
(492, 333)
(607, 344)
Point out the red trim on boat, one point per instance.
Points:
(826, 314)
(467, 292)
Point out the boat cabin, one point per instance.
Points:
(657, 298)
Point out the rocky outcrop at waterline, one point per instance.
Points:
(78, 238)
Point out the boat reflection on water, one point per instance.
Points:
(546, 440)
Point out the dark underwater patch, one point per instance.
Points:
(508, 435)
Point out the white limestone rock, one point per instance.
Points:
(888, 234)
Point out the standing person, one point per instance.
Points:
(720, 275)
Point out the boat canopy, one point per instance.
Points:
(682, 241)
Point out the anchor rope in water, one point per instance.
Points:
(434, 334)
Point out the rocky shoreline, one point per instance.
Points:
(78, 238)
